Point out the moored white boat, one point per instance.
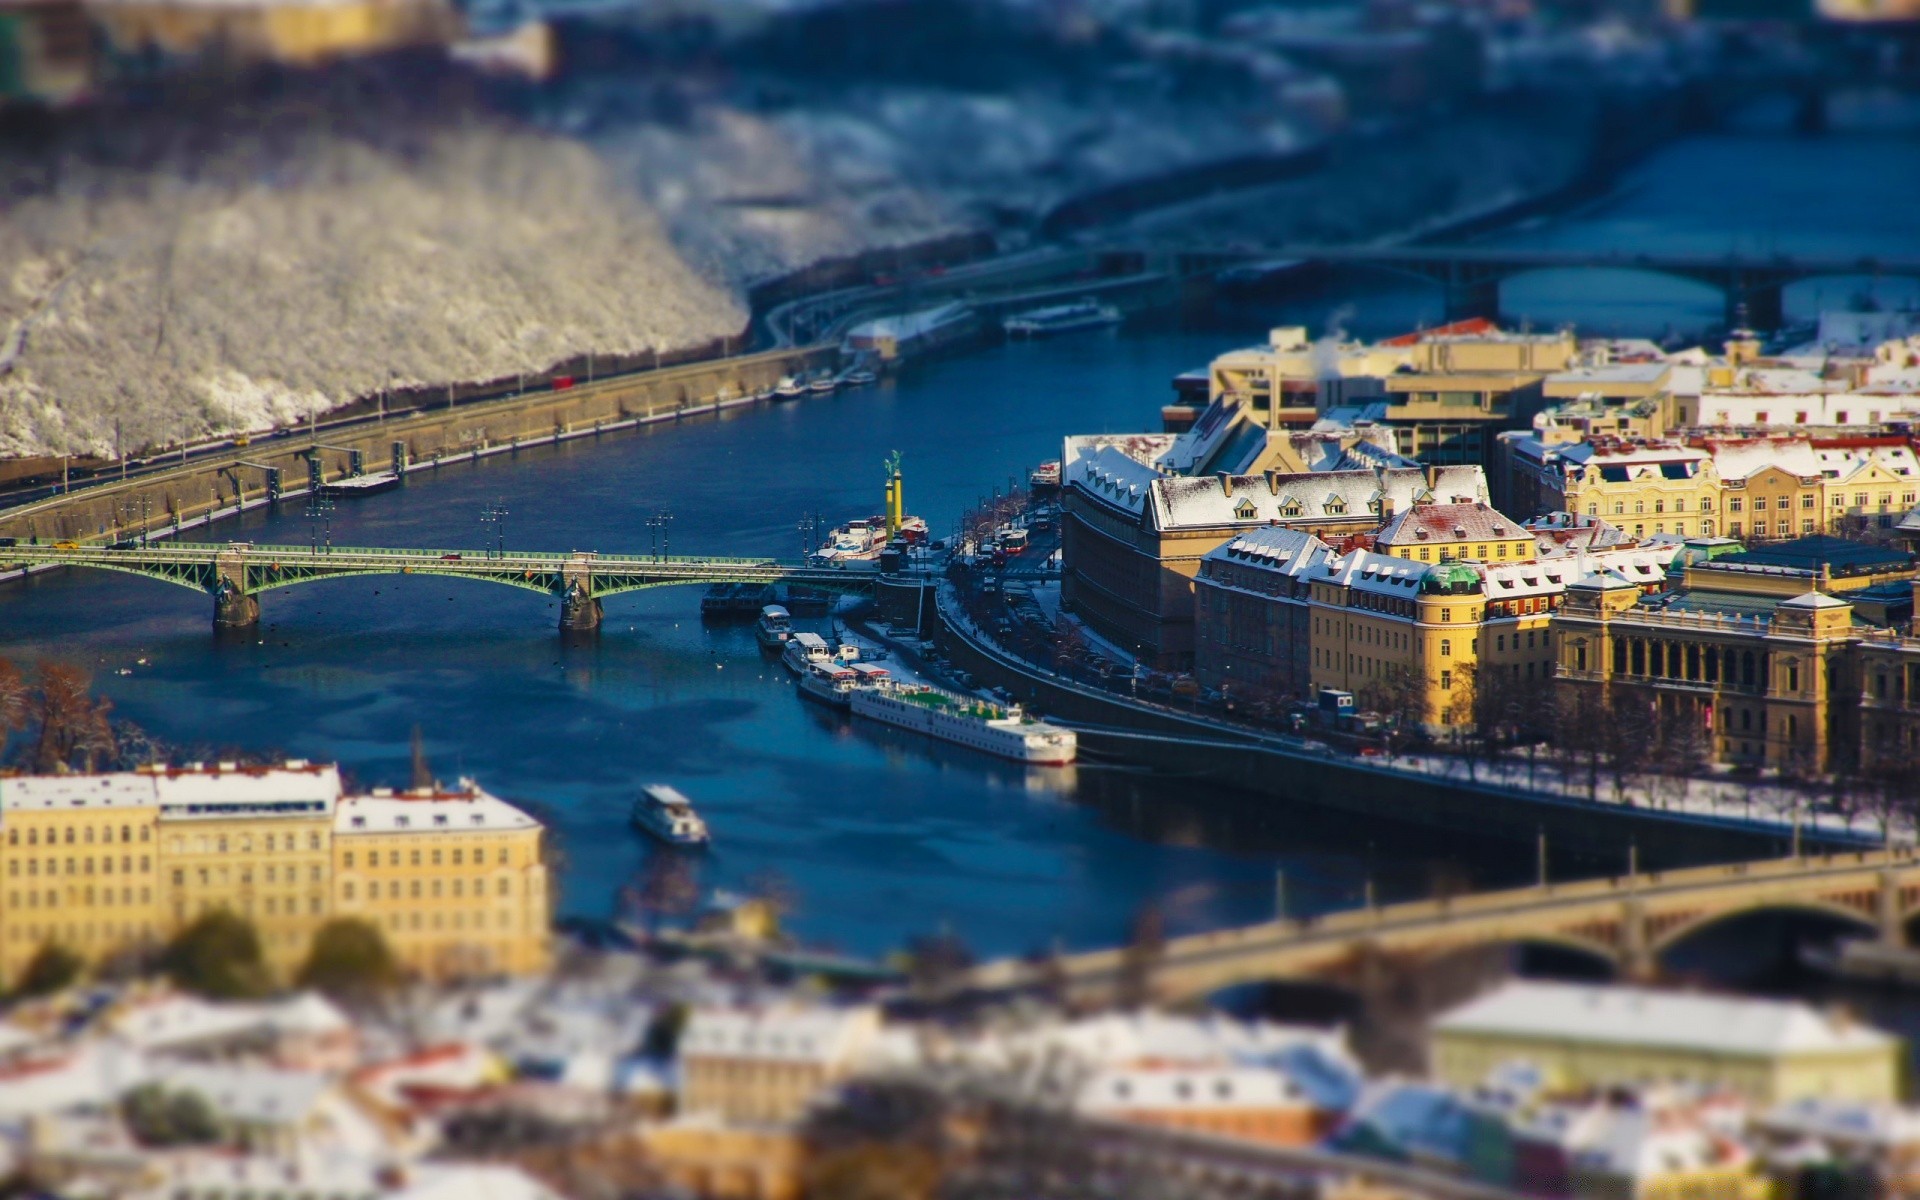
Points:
(773, 628)
(803, 650)
(789, 388)
(1005, 731)
(829, 683)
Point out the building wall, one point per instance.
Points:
(272, 872)
(1297, 1126)
(88, 881)
(103, 881)
(753, 1090)
(453, 903)
(1651, 504)
(293, 33)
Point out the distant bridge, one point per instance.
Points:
(1471, 275)
(235, 573)
(1626, 921)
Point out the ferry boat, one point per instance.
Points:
(831, 684)
(666, 814)
(789, 388)
(773, 628)
(861, 378)
(1062, 318)
(1005, 731)
(1046, 475)
(859, 540)
(823, 382)
(803, 650)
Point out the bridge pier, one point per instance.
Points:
(234, 609)
(579, 612)
(233, 606)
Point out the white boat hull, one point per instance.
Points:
(1035, 743)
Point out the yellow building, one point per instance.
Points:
(1584, 1036)
(1436, 533)
(118, 862)
(768, 1066)
(81, 866)
(455, 879)
(1134, 531)
(1761, 649)
(1278, 612)
(1645, 488)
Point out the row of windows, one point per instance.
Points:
(78, 835)
(51, 898)
(434, 857)
(437, 922)
(81, 866)
(81, 932)
(223, 844)
(210, 876)
(413, 888)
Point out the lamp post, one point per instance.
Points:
(495, 515)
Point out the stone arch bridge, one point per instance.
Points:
(1470, 276)
(1627, 921)
(235, 573)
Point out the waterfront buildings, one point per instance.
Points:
(1133, 533)
(1767, 1051)
(117, 863)
(1281, 613)
(1766, 652)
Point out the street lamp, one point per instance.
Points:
(658, 524)
(495, 515)
(320, 512)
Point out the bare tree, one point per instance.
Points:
(75, 729)
(1398, 694)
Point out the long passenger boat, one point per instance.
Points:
(1005, 731)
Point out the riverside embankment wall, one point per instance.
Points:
(1212, 755)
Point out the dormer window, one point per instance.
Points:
(1244, 510)
(440, 818)
(1336, 507)
(359, 822)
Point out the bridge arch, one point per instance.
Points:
(1672, 937)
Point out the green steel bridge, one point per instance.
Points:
(235, 573)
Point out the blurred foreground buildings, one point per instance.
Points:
(111, 866)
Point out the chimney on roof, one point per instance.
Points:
(1273, 481)
(1226, 484)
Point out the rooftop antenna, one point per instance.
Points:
(422, 775)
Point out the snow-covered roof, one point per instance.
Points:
(93, 1075)
(1379, 574)
(1174, 1088)
(1741, 460)
(1274, 548)
(812, 1034)
(1209, 501)
(1125, 1039)
(1437, 524)
(468, 810)
(1629, 373)
(199, 790)
(251, 1095)
(177, 1020)
(1629, 1016)
(1844, 1121)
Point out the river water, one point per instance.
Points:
(877, 835)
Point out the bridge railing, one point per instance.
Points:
(1353, 923)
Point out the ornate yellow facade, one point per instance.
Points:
(106, 864)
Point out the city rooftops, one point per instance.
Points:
(817, 1035)
(1818, 552)
(1610, 1015)
(429, 810)
(1436, 523)
(197, 790)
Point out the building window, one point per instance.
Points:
(1446, 681)
(1446, 647)
(1735, 504)
(1806, 501)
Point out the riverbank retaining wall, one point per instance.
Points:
(1213, 755)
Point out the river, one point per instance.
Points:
(878, 836)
